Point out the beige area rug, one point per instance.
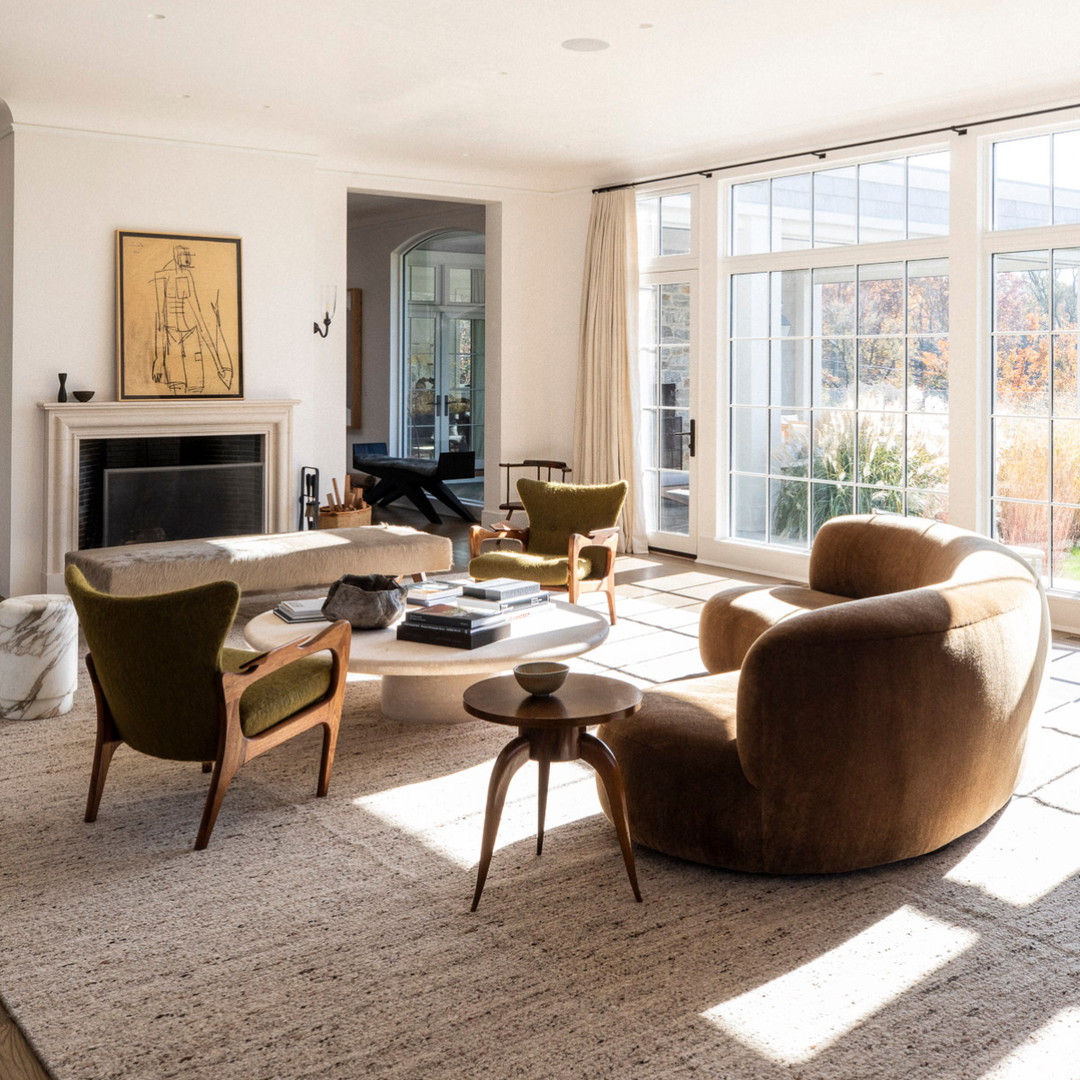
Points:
(332, 938)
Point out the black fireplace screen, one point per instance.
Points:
(170, 488)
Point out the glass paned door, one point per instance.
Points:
(443, 370)
(668, 428)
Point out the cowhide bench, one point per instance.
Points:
(274, 562)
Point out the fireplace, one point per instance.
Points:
(179, 487)
(232, 458)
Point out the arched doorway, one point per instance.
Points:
(442, 357)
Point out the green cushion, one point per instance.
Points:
(280, 694)
(546, 569)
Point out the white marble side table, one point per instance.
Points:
(39, 656)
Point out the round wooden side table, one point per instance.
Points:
(553, 729)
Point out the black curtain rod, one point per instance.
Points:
(959, 129)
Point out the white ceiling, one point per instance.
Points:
(481, 90)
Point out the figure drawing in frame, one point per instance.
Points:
(178, 316)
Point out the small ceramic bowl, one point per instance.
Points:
(82, 395)
(541, 678)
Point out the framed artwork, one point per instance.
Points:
(178, 316)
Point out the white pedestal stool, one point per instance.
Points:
(39, 658)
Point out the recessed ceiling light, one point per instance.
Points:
(585, 44)
(153, 16)
(264, 106)
(646, 26)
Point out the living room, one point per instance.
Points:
(187, 121)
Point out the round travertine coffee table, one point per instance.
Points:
(424, 683)
(553, 729)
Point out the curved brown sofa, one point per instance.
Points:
(875, 715)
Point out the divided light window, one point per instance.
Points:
(664, 225)
(904, 198)
(1037, 181)
(1035, 419)
(839, 396)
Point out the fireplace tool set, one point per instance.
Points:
(309, 498)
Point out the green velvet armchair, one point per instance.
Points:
(570, 541)
(166, 686)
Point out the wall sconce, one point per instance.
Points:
(328, 306)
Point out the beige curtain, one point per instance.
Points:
(607, 390)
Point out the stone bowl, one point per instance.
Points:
(365, 601)
(82, 395)
(541, 677)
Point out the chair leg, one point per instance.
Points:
(330, 734)
(103, 752)
(610, 590)
(225, 768)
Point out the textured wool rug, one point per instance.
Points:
(332, 937)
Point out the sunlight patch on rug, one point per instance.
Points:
(1051, 1053)
(446, 814)
(1030, 851)
(795, 1017)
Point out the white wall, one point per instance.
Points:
(70, 192)
(7, 190)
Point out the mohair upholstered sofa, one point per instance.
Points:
(875, 715)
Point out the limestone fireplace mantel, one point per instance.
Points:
(69, 423)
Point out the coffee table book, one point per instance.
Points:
(515, 603)
(432, 592)
(293, 611)
(453, 615)
(456, 637)
(500, 588)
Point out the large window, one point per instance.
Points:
(839, 374)
(1036, 409)
(898, 333)
(900, 199)
(839, 396)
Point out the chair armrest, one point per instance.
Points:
(732, 620)
(892, 688)
(605, 538)
(501, 530)
(336, 638)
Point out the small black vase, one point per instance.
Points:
(62, 392)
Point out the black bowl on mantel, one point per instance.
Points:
(82, 395)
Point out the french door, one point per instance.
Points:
(443, 361)
(668, 428)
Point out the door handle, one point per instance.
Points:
(693, 436)
(446, 405)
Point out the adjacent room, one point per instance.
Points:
(665, 422)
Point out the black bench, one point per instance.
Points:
(412, 477)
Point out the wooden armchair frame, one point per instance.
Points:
(234, 747)
(605, 538)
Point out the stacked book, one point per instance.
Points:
(450, 624)
(301, 610)
(432, 592)
(503, 595)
